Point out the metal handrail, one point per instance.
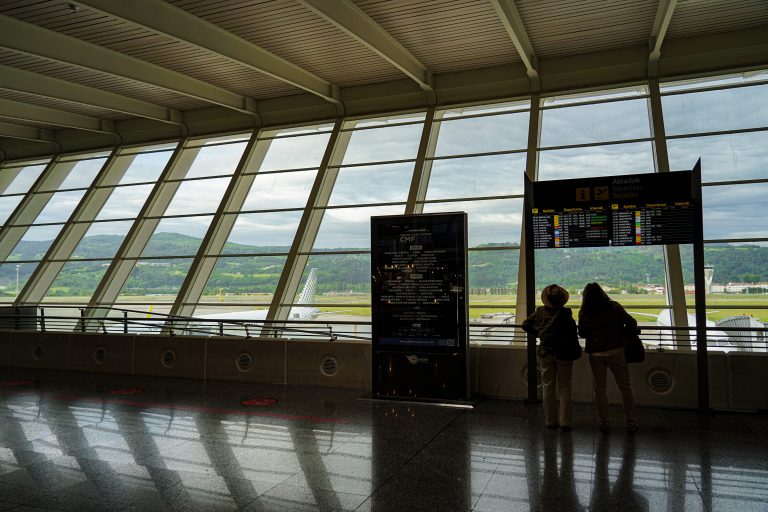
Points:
(109, 320)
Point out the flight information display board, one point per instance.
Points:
(637, 209)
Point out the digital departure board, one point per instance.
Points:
(637, 209)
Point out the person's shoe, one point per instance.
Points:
(631, 426)
(605, 427)
(565, 428)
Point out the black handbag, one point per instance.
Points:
(567, 347)
(634, 350)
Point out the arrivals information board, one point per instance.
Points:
(637, 209)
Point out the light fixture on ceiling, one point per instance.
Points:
(73, 8)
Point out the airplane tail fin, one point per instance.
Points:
(307, 297)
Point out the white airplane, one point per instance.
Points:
(296, 313)
(716, 338)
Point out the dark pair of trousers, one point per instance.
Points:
(618, 366)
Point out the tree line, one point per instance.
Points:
(490, 271)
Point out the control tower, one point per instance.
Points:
(709, 272)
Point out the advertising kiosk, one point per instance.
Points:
(419, 306)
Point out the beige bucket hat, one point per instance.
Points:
(554, 296)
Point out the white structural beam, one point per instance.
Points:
(33, 40)
(351, 19)
(659, 30)
(15, 79)
(179, 24)
(17, 131)
(26, 112)
(513, 23)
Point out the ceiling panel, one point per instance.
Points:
(150, 46)
(445, 35)
(702, 17)
(100, 80)
(570, 27)
(298, 35)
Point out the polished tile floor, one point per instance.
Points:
(88, 442)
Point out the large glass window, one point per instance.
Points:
(372, 178)
(194, 189)
(598, 134)
(123, 190)
(474, 161)
(18, 178)
(478, 168)
(48, 208)
(283, 169)
(604, 133)
(724, 121)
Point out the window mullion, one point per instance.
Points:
(532, 172)
(672, 263)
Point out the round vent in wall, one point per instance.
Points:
(99, 355)
(329, 366)
(660, 381)
(524, 374)
(168, 358)
(244, 362)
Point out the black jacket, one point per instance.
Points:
(551, 327)
(605, 329)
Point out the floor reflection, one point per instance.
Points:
(619, 494)
(328, 450)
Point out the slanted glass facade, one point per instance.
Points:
(236, 223)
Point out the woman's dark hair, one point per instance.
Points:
(594, 298)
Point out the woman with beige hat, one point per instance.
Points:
(553, 324)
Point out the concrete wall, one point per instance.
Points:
(738, 380)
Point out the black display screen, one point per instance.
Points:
(637, 209)
(419, 281)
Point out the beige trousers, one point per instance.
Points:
(556, 384)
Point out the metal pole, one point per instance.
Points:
(530, 291)
(702, 361)
(18, 265)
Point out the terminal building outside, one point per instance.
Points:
(186, 191)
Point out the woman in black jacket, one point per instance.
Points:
(603, 323)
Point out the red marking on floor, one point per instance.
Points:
(193, 408)
(127, 391)
(259, 401)
(17, 382)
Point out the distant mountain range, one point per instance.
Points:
(490, 270)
